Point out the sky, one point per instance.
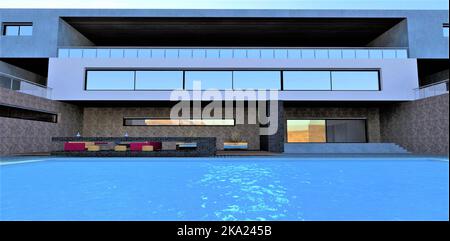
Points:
(230, 4)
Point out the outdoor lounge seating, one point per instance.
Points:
(93, 148)
(137, 146)
(75, 146)
(147, 148)
(120, 148)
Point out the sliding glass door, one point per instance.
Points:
(322, 131)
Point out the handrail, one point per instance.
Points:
(432, 84)
(219, 47)
(432, 89)
(32, 88)
(234, 53)
(24, 80)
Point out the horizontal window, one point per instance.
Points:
(331, 80)
(18, 29)
(177, 122)
(307, 80)
(110, 80)
(159, 80)
(220, 80)
(314, 80)
(331, 131)
(355, 80)
(26, 114)
(257, 80)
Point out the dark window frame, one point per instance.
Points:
(9, 111)
(281, 70)
(17, 24)
(164, 118)
(326, 134)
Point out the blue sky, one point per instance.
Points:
(230, 4)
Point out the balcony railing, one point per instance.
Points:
(234, 53)
(430, 90)
(24, 86)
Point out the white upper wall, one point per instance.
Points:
(398, 77)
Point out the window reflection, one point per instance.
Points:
(264, 80)
(159, 80)
(306, 80)
(110, 80)
(129, 121)
(306, 131)
(220, 80)
(355, 80)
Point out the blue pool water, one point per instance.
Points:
(226, 189)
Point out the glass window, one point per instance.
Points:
(11, 30)
(264, 80)
(220, 80)
(26, 30)
(306, 80)
(177, 122)
(445, 29)
(110, 80)
(159, 80)
(27, 114)
(354, 80)
(306, 131)
(346, 131)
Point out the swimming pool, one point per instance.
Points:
(251, 188)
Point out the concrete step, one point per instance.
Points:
(316, 148)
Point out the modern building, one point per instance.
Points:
(374, 77)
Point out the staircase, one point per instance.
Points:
(344, 148)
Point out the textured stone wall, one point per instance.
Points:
(25, 136)
(420, 126)
(108, 121)
(275, 143)
(371, 113)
